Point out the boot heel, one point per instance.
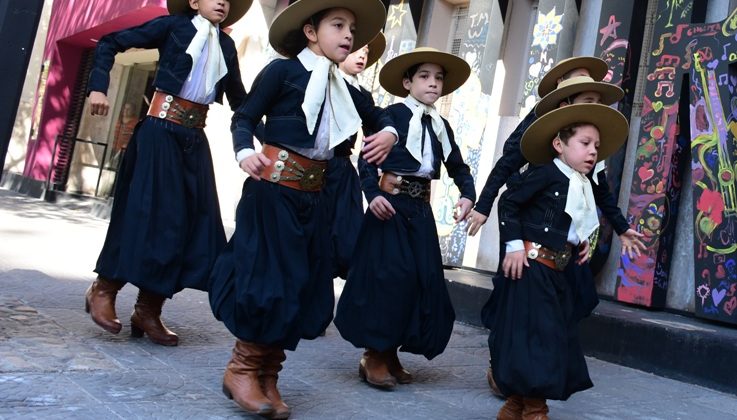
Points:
(136, 332)
(362, 372)
(227, 392)
(86, 305)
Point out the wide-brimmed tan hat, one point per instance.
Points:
(370, 19)
(376, 49)
(392, 74)
(596, 66)
(575, 85)
(536, 143)
(238, 8)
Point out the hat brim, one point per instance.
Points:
(609, 95)
(536, 143)
(370, 19)
(238, 9)
(392, 74)
(376, 49)
(596, 66)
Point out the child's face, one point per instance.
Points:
(581, 150)
(589, 97)
(427, 83)
(213, 10)
(333, 37)
(356, 61)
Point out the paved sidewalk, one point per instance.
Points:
(55, 363)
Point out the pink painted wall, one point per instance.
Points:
(73, 27)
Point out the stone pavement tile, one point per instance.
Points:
(190, 357)
(480, 401)
(127, 355)
(141, 386)
(168, 409)
(724, 403)
(24, 390)
(95, 412)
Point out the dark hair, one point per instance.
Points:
(410, 73)
(568, 131)
(295, 40)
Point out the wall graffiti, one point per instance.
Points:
(467, 111)
(701, 52)
(713, 121)
(542, 53)
(620, 39)
(655, 188)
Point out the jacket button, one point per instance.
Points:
(502, 223)
(546, 229)
(556, 193)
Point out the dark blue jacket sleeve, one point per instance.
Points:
(510, 162)
(458, 169)
(372, 116)
(151, 34)
(264, 91)
(369, 174)
(605, 201)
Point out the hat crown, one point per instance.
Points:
(575, 81)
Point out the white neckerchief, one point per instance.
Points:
(600, 166)
(580, 204)
(215, 67)
(414, 133)
(325, 79)
(352, 80)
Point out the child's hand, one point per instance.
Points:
(381, 208)
(377, 147)
(513, 264)
(583, 253)
(463, 207)
(631, 243)
(254, 164)
(475, 221)
(99, 104)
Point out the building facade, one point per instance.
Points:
(674, 179)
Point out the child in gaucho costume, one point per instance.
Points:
(543, 218)
(165, 229)
(395, 296)
(272, 285)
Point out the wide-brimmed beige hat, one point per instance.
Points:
(536, 143)
(392, 74)
(376, 49)
(575, 85)
(238, 8)
(370, 19)
(596, 66)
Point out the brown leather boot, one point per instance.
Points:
(269, 375)
(146, 318)
(534, 409)
(99, 302)
(373, 369)
(512, 409)
(241, 383)
(492, 384)
(396, 369)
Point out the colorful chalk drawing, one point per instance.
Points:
(702, 52)
(542, 55)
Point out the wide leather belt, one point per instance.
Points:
(293, 170)
(177, 110)
(557, 260)
(397, 184)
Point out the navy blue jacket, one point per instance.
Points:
(533, 209)
(278, 92)
(171, 35)
(506, 171)
(400, 160)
